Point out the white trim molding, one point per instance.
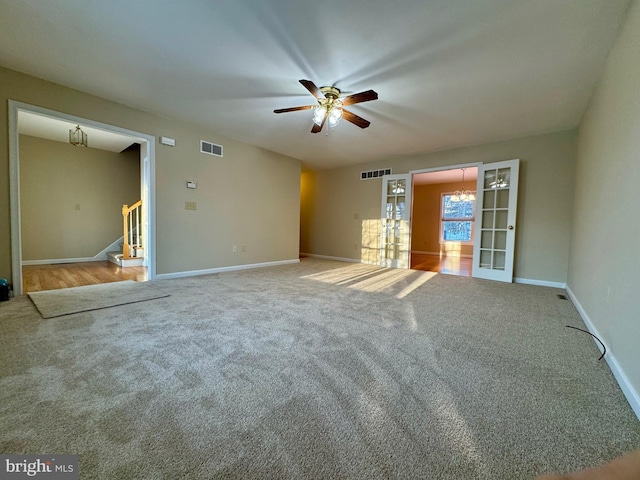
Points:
(328, 257)
(148, 185)
(541, 283)
(632, 396)
(233, 268)
(53, 261)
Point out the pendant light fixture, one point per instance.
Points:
(77, 137)
(463, 195)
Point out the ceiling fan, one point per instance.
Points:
(330, 106)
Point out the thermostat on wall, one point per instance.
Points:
(191, 185)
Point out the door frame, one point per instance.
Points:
(147, 183)
(432, 170)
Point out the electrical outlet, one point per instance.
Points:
(235, 249)
(244, 248)
(190, 205)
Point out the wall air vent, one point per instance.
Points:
(375, 173)
(210, 148)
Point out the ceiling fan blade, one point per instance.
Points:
(360, 97)
(355, 119)
(313, 89)
(318, 128)
(294, 109)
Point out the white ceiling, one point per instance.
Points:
(448, 73)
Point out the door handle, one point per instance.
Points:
(510, 227)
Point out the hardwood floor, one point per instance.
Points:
(64, 275)
(434, 263)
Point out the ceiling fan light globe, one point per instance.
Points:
(335, 114)
(318, 115)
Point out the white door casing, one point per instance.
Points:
(148, 189)
(495, 229)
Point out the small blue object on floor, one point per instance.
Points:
(4, 290)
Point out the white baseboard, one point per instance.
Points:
(632, 396)
(62, 260)
(327, 257)
(234, 268)
(542, 283)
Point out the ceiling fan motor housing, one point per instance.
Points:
(330, 92)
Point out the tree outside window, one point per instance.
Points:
(457, 220)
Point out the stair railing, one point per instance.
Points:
(132, 222)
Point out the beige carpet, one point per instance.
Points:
(317, 370)
(55, 303)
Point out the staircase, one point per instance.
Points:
(132, 251)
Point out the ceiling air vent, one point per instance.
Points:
(375, 173)
(210, 148)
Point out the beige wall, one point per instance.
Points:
(604, 273)
(342, 213)
(54, 178)
(426, 216)
(250, 197)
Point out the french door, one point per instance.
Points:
(396, 221)
(495, 229)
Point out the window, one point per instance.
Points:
(457, 220)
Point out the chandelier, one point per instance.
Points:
(463, 195)
(77, 137)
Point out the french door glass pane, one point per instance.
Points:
(502, 199)
(501, 219)
(489, 199)
(485, 259)
(486, 240)
(487, 220)
(500, 240)
(498, 260)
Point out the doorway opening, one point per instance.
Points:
(443, 220)
(32, 121)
